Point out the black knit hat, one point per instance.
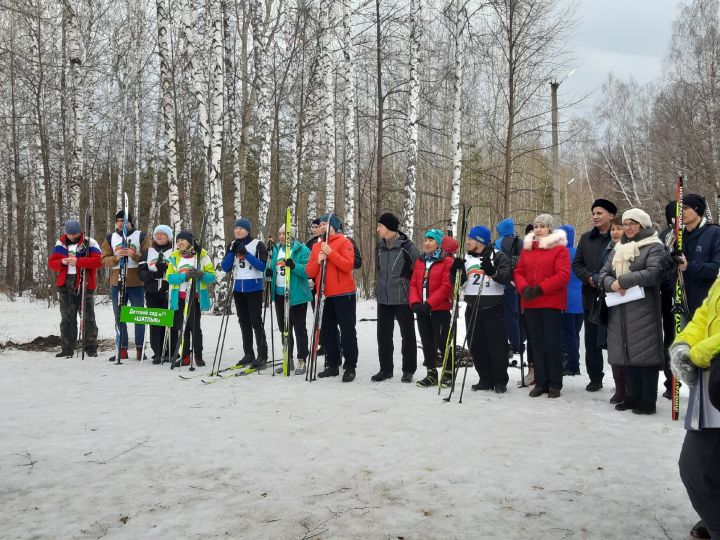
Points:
(390, 221)
(316, 221)
(696, 202)
(184, 235)
(121, 215)
(607, 205)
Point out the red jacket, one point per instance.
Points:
(544, 262)
(339, 270)
(91, 261)
(440, 287)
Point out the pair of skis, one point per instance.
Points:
(311, 372)
(122, 281)
(83, 281)
(680, 308)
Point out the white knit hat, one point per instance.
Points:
(638, 215)
(545, 219)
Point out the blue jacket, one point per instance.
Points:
(702, 250)
(256, 260)
(574, 288)
(505, 228)
(299, 287)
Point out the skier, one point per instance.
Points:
(74, 253)
(246, 257)
(541, 278)
(586, 266)
(430, 298)
(572, 318)
(488, 271)
(395, 256)
(635, 328)
(511, 244)
(152, 268)
(299, 292)
(695, 360)
(183, 266)
(338, 317)
(112, 252)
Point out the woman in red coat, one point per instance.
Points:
(541, 279)
(430, 297)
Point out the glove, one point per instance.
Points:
(195, 273)
(487, 266)
(268, 272)
(423, 308)
(290, 263)
(161, 268)
(531, 292)
(239, 248)
(681, 365)
(458, 264)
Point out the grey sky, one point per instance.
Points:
(626, 37)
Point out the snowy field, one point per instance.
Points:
(93, 450)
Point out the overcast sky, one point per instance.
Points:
(627, 37)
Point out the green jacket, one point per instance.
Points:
(175, 279)
(299, 288)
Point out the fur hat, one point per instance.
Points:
(607, 205)
(545, 219)
(638, 215)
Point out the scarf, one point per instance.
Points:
(625, 253)
(434, 256)
(189, 253)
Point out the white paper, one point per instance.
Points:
(633, 293)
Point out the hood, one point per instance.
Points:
(555, 238)
(506, 227)
(569, 233)
(449, 245)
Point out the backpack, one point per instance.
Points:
(512, 251)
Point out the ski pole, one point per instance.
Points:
(223, 327)
(470, 334)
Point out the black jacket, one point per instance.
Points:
(714, 383)
(150, 277)
(588, 261)
(701, 247)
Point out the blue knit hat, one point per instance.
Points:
(163, 229)
(436, 235)
(334, 221)
(480, 234)
(73, 227)
(243, 223)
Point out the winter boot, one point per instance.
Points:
(381, 376)
(65, 354)
(699, 530)
(431, 379)
(407, 377)
(554, 393)
(92, 353)
(481, 385)
(329, 371)
(348, 375)
(139, 354)
(537, 392)
(246, 360)
(259, 363)
(123, 355)
(199, 362)
(156, 360)
(447, 379)
(301, 367)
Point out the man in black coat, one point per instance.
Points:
(586, 266)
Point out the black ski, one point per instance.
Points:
(83, 280)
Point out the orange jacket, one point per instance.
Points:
(338, 274)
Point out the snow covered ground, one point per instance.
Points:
(90, 450)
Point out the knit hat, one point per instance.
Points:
(696, 202)
(164, 229)
(243, 223)
(545, 219)
(293, 230)
(638, 215)
(436, 235)
(390, 220)
(73, 227)
(334, 221)
(480, 234)
(185, 235)
(120, 215)
(607, 205)
(315, 221)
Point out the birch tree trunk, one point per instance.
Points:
(75, 65)
(168, 112)
(39, 210)
(137, 93)
(264, 128)
(349, 113)
(457, 119)
(410, 190)
(326, 102)
(153, 213)
(233, 135)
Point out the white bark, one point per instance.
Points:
(410, 190)
(154, 203)
(39, 235)
(168, 111)
(233, 135)
(264, 127)
(457, 119)
(76, 107)
(327, 88)
(349, 113)
(137, 83)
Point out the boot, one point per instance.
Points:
(620, 378)
(329, 371)
(139, 354)
(431, 379)
(301, 367)
(199, 362)
(246, 360)
(64, 354)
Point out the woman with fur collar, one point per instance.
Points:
(541, 279)
(635, 335)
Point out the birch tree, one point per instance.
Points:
(410, 189)
(76, 94)
(459, 23)
(349, 115)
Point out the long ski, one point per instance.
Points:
(122, 282)
(680, 308)
(286, 297)
(83, 280)
(311, 370)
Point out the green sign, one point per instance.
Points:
(147, 315)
